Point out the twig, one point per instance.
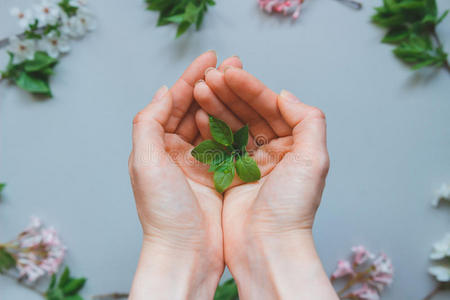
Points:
(352, 4)
(21, 283)
(111, 296)
(439, 44)
(436, 290)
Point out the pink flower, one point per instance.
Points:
(38, 251)
(282, 6)
(366, 293)
(344, 268)
(361, 255)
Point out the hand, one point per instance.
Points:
(267, 225)
(182, 253)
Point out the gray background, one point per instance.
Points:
(65, 159)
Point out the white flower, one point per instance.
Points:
(22, 49)
(81, 23)
(54, 44)
(25, 16)
(442, 273)
(441, 249)
(48, 12)
(442, 194)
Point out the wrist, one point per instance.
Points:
(172, 273)
(282, 266)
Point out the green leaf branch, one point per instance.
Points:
(32, 75)
(227, 155)
(184, 13)
(411, 26)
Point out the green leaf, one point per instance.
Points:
(2, 186)
(64, 277)
(247, 169)
(224, 175)
(227, 291)
(52, 282)
(7, 261)
(191, 13)
(175, 19)
(241, 137)
(208, 152)
(220, 131)
(40, 61)
(431, 7)
(54, 294)
(441, 18)
(73, 286)
(33, 84)
(182, 28)
(396, 34)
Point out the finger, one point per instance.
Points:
(233, 61)
(309, 132)
(209, 102)
(187, 128)
(148, 124)
(202, 120)
(262, 99)
(182, 89)
(258, 126)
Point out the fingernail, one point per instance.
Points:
(227, 68)
(209, 69)
(213, 51)
(289, 96)
(159, 95)
(199, 81)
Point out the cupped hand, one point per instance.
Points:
(180, 217)
(267, 224)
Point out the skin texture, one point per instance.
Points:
(261, 230)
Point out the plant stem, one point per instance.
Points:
(436, 290)
(21, 283)
(111, 296)
(438, 42)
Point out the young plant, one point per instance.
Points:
(181, 12)
(66, 288)
(411, 26)
(226, 155)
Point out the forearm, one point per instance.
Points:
(165, 273)
(285, 267)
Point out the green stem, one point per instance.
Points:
(111, 296)
(438, 42)
(21, 283)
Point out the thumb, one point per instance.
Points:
(148, 124)
(309, 130)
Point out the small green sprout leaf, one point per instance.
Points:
(226, 155)
(247, 169)
(220, 131)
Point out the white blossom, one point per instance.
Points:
(22, 49)
(442, 194)
(25, 17)
(54, 45)
(441, 249)
(80, 24)
(47, 12)
(441, 272)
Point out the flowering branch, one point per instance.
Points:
(47, 32)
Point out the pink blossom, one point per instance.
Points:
(366, 293)
(361, 255)
(38, 251)
(282, 6)
(344, 268)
